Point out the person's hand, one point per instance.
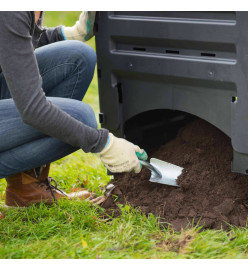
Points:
(120, 155)
(83, 29)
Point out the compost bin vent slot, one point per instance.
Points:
(208, 54)
(101, 118)
(119, 88)
(139, 49)
(99, 73)
(172, 51)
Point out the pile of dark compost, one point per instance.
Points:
(209, 195)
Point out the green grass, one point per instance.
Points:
(78, 230)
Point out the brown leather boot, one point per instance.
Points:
(43, 177)
(24, 189)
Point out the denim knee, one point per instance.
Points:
(84, 55)
(77, 109)
(85, 58)
(83, 113)
(86, 115)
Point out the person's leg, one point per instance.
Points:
(66, 68)
(23, 148)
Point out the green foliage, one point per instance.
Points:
(76, 229)
(55, 18)
(80, 169)
(79, 230)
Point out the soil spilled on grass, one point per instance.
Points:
(209, 194)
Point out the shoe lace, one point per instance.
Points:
(52, 185)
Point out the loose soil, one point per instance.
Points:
(209, 195)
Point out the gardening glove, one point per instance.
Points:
(119, 155)
(83, 29)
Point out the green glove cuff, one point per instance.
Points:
(142, 156)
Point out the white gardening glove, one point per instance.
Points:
(83, 29)
(119, 155)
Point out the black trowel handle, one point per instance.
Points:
(150, 167)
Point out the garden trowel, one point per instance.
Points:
(163, 172)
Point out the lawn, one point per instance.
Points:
(78, 230)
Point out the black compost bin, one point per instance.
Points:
(157, 68)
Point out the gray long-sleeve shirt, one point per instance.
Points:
(19, 35)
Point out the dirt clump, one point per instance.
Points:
(209, 195)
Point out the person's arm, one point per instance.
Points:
(21, 72)
(51, 35)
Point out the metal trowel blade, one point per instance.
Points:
(169, 172)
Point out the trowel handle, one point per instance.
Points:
(149, 167)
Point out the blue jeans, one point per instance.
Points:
(67, 68)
